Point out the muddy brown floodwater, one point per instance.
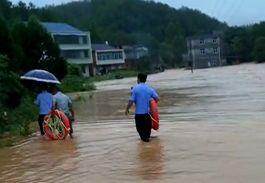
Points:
(212, 130)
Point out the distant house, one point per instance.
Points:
(107, 58)
(75, 45)
(134, 53)
(205, 51)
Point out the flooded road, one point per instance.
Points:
(212, 130)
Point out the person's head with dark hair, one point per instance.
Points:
(141, 78)
(42, 87)
(54, 89)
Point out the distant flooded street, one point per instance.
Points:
(212, 131)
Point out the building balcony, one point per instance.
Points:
(110, 62)
(79, 60)
(75, 47)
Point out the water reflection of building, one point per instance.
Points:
(75, 45)
(205, 51)
(107, 58)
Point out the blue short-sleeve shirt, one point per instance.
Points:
(141, 95)
(62, 102)
(44, 102)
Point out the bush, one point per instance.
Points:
(17, 121)
(73, 69)
(259, 50)
(16, 106)
(72, 83)
(116, 74)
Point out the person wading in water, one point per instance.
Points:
(140, 96)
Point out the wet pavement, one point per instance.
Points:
(212, 130)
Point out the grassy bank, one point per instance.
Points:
(17, 123)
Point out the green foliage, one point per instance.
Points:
(11, 92)
(239, 40)
(116, 74)
(16, 109)
(6, 46)
(259, 49)
(245, 42)
(5, 8)
(144, 65)
(38, 48)
(73, 69)
(17, 120)
(73, 83)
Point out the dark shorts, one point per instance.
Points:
(143, 125)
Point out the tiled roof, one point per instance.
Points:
(206, 36)
(61, 28)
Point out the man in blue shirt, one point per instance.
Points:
(44, 102)
(63, 103)
(140, 96)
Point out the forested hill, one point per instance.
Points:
(162, 28)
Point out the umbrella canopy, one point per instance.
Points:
(40, 76)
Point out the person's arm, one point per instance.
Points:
(129, 105)
(155, 95)
(71, 109)
(37, 101)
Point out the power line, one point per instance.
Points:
(216, 7)
(219, 10)
(237, 5)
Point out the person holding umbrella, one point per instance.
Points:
(44, 99)
(44, 102)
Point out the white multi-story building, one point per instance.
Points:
(75, 45)
(107, 58)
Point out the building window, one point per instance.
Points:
(75, 54)
(202, 51)
(85, 40)
(215, 50)
(214, 40)
(202, 41)
(86, 54)
(110, 55)
(65, 39)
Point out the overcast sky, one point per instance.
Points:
(234, 12)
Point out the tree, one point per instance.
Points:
(5, 9)
(240, 42)
(39, 49)
(259, 49)
(11, 92)
(6, 46)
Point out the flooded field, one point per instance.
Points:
(212, 130)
